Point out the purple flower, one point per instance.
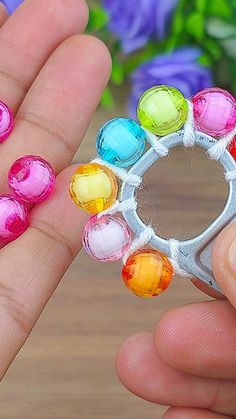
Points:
(179, 69)
(135, 22)
(11, 5)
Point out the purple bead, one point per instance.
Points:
(6, 121)
(14, 218)
(31, 179)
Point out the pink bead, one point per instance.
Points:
(31, 179)
(14, 218)
(6, 121)
(214, 111)
(106, 239)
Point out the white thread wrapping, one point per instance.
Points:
(174, 258)
(218, 149)
(189, 127)
(126, 205)
(126, 177)
(152, 139)
(139, 242)
(230, 175)
(215, 152)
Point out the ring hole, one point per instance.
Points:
(182, 194)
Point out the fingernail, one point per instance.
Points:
(232, 255)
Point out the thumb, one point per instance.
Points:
(224, 262)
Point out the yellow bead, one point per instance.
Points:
(147, 273)
(93, 188)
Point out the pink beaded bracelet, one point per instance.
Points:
(31, 180)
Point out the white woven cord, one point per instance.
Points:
(174, 258)
(230, 175)
(152, 139)
(218, 149)
(139, 242)
(126, 205)
(189, 127)
(126, 177)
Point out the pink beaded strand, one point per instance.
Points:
(31, 179)
(6, 121)
(14, 218)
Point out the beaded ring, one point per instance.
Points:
(207, 120)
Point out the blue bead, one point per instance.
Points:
(121, 142)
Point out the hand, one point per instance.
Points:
(189, 362)
(52, 78)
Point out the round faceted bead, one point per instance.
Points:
(232, 148)
(6, 121)
(214, 111)
(147, 273)
(162, 110)
(93, 187)
(31, 179)
(107, 238)
(121, 142)
(14, 218)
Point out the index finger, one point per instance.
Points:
(29, 37)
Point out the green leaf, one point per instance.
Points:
(220, 8)
(178, 23)
(205, 60)
(97, 18)
(178, 18)
(195, 25)
(107, 99)
(201, 5)
(171, 43)
(220, 29)
(213, 47)
(118, 75)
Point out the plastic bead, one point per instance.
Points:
(121, 142)
(31, 179)
(214, 111)
(6, 121)
(106, 239)
(14, 218)
(93, 187)
(232, 148)
(162, 110)
(147, 273)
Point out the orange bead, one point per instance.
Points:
(147, 273)
(93, 187)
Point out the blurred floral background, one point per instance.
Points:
(190, 44)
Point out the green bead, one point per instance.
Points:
(162, 110)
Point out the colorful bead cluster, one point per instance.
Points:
(120, 143)
(31, 179)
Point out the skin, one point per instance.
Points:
(52, 77)
(46, 67)
(189, 361)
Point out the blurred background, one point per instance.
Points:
(67, 367)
